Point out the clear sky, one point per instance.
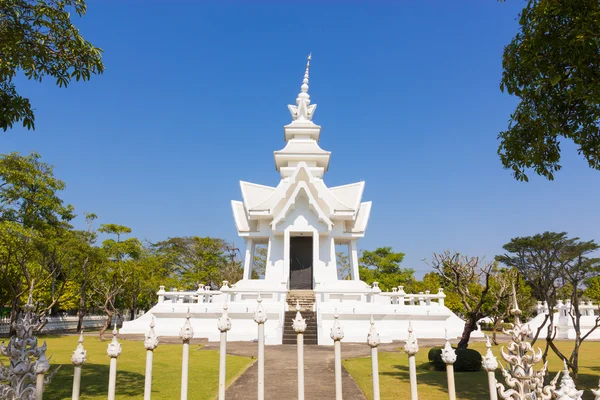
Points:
(194, 99)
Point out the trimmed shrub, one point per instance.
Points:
(467, 360)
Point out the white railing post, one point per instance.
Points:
(150, 344)
(299, 325)
(449, 357)
(114, 350)
(224, 324)
(412, 348)
(186, 334)
(260, 317)
(337, 334)
(373, 341)
(490, 364)
(78, 358)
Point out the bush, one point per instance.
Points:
(467, 360)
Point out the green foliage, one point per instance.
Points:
(467, 360)
(592, 291)
(553, 66)
(38, 38)
(383, 265)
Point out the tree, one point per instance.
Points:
(38, 38)
(259, 263)
(549, 262)
(34, 229)
(553, 66)
(592, 290)
(482, 287)
(118, 272)
(383, 265)
(344, 270)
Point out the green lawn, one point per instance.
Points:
(203, 370)
(394, 381)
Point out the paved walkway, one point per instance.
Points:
(281, 375)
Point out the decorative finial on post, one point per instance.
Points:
(79, 355)
(224, 323)
(114, 347)
(373, 336)
(297, 305)
(448, 353)
(597, 392)
(515, 310)
(490, 362)
(299, 323)
(337, 333)
(260, 316)
(412, 345)
(151, 341)
(186, 332)
(567, 390)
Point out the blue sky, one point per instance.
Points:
(194, 99)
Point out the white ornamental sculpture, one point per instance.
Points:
(17, 381)
(567, 390)
(186, 333)
(523, 382)
(597, 392)
(299, 323)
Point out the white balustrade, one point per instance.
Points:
(373, 341)
(78, 359)
(260, 317)
(224, 324)
(186, 334)
(299, 325)
(449, 357)
(150, 343)
(114, 350)
(337, 334)
(412, 348)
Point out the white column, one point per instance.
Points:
(186, 334)
(411, 348)
(286, 258)
(299, 326)
(449, 357)
(114, 350)
(224, 324)
(150, 344)
(373, 341)
(337, 334)
(353, 253)
(490, 363)
(260, 317)
(248, 258)
(78, 358)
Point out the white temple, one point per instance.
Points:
(301, 221)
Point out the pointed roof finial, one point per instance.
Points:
(304, 86)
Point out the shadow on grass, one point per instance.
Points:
(94, 382)
(469, 385)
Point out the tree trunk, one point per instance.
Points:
(470, 326)
(80, 313)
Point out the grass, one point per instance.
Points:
(203, 370)
(432, 385)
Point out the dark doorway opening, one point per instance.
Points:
(301, 262)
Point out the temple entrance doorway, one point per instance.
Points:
(301, 262)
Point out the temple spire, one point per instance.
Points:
(303, 110)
